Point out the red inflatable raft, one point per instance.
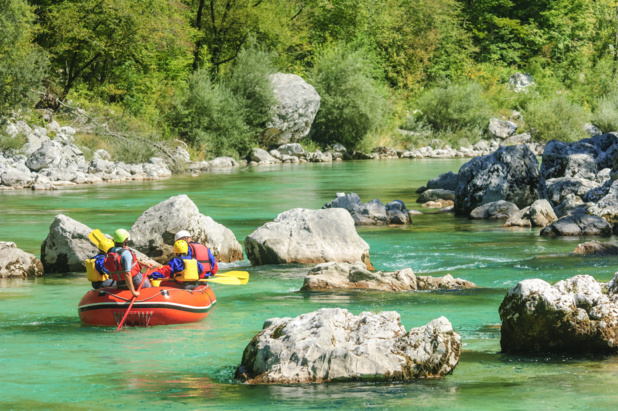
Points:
(154, 306)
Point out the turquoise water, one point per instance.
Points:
(49, 360)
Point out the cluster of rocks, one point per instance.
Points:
(333, 345)
(373, 212)
(573, 192)
(577, 315)
(337, 276)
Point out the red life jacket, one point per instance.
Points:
(200, 253)
(113, 264)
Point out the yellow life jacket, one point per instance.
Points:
(92, 273)
(190, 273)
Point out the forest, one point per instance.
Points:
(196, 72)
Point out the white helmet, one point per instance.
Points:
(181, 234)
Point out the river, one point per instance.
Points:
(49, 360)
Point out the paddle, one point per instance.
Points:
(96, 236)
(145, 275)
(223, 280)
(243, 276)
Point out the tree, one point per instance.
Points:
(22, 64)
(94, 42)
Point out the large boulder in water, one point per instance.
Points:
(67, 247)
(338, 276)
(153, 232)
(302, 236)
(510, 173)
(577, 315)
(297, 105)
(18, 263)
(332, 344)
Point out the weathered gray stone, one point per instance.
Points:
(578, 224)
(223, 162)
(292, 149)
(446, 181)
(332, 345)
(593, 130)
(574, 316)
(559, 188)
(519, 82)
(372, 212)
(332, 276)
(435, 195)
(524, 138)
(18, 263)
(297, 105)
(153, 232)
(262, 157)
(319, 157)
(607, 207)
(53, 154)
(13, 177)
(301, 236)
(498, 210)
(501, 129)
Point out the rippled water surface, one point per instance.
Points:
(49, 360)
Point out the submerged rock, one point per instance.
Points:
(330, 276)
(435, 194)
(498, 210)
(596, 248)
(333, 345)
(153, 232)
(302, 236)
(18, 263)
(577, 315)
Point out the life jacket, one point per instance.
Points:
(91, 270)
(113, 264)
(200, 253)
(190, 273)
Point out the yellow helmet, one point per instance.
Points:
(181, 247)
(105, 245)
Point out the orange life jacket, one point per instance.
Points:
(113, 264)
(200, 253)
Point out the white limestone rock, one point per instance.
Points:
(18, 263)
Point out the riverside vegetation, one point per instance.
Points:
(190, 72)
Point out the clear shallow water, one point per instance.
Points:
(49, 360)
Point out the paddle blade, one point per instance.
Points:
(96, 236)
(243, 276)
(223, 280)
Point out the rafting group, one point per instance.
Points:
(178, 292)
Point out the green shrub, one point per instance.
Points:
(251, 84)
(455, 107)
(210, 116)
(556, 119)
(605, 116)
(12, 142)
(352, 101)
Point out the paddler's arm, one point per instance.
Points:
(129, 280)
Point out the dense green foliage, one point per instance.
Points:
(198, 70)
(352, 104)
(556, 119)
(22, 64)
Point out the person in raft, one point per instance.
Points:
(123, 265)
(200, 252)
(182, 268)
(96, 272)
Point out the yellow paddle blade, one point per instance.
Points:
(96, 236)
(223, 280)
(243, 276)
